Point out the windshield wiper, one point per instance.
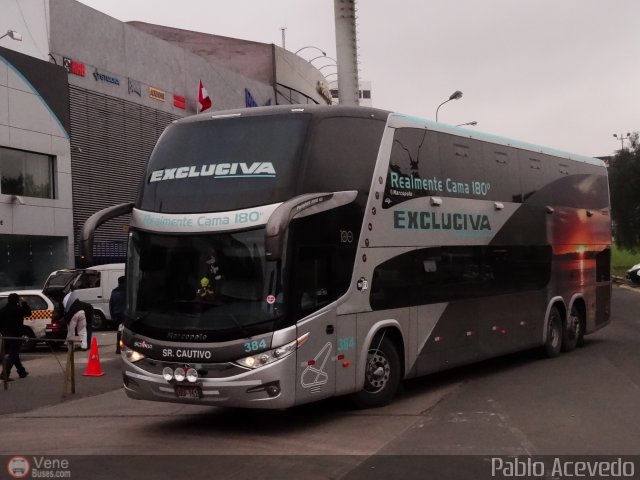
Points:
(241, 327)
(141, 317)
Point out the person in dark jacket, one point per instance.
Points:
(11, 324)
(117, 305)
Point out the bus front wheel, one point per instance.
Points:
(553, 344)
(382, 375)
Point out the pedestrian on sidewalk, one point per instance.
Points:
(75, 317)
(11, 325)
(117, 305)
(68, 300)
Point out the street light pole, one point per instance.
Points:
(622, 138)
(13, 35)
(311, 46)
(454, 96)
(323, 56)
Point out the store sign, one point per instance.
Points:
(73, 67)
(103, 77)
(135, 87)
(179, 102)
(156, 94)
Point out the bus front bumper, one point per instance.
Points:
(271, 386)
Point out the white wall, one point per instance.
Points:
(26, 123)
(31, 19)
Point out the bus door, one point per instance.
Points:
(312, 291)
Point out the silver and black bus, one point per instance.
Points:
(282, 255)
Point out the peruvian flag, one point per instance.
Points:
(204, 102)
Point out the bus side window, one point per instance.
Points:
(394, 283)
(324, 247)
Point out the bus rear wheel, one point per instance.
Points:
(382, 375)
(574, 331)
(553, 345)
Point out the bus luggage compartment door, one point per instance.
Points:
(315, 377)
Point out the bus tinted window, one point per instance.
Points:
(324, 247)
(427, 163)
(414, 166)
(224, 164)
(538, 173)
(500, 164)
(443, 274)
(343, 154)
(581, 191)
(462, 168)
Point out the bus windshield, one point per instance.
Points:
(218, 286)
(224, 164)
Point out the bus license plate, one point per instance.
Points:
(188, 391)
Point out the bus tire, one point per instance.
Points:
(382, 375)
(583, 327)
(573, 330)
(553, 344)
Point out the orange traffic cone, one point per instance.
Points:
(93, 367)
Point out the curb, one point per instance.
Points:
(622, 280)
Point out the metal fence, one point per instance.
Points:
(69, 384)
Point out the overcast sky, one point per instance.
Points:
(559, 73)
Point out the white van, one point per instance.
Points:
(92, 285)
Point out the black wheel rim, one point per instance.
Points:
(378, 372)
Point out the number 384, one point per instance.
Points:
(255, 345)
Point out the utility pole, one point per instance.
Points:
(622, 138)
(347, 51)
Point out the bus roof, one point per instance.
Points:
(315, 110)
(408, 120)
(487, 137)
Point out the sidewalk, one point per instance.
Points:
(44, 385)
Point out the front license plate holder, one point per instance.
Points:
(188, 391)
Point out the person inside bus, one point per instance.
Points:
(205, 293)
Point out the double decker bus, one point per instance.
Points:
(282, 255)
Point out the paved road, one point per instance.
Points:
(583, 403)
(44, 385)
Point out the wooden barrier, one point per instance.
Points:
(69, 369)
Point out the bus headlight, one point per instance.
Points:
(270, 356)
(132, 355)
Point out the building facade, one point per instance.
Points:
(123, 84)
(36, 226)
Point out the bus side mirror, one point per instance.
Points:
(298, 207)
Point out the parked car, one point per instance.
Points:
(57, 330)
(42, 308)
(92, 285)
(633, 274)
